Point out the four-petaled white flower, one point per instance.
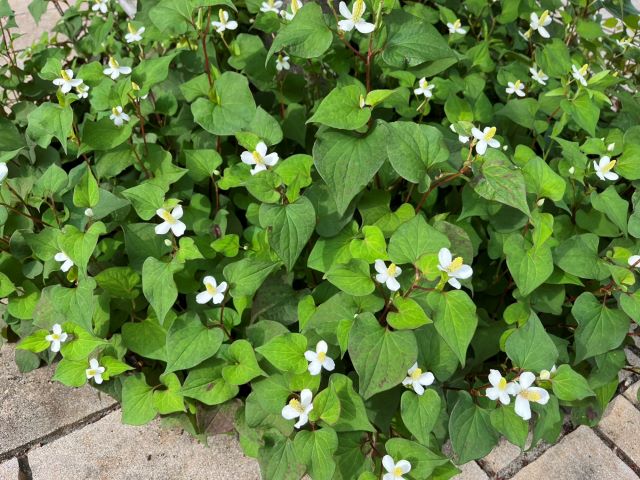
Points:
(213, 291)
(417, 380)
(394, 470)
(118, 116)
(282, 63)
(580, 73)
(224, 23)
(634, 261)
(67, 263)
(547, 374)
(134, 35)
(354, 18)
(66, 81)
(114, 70)
(299, 408)
(500, 389)
(95, 371)
(538, 23)
(271, 6)
(4, 171)
(171, 221)
(517, 88)
(484, 139)
(259, 158)
(538, 75)
(82, 91)
(456, 27)
(454, 268)
(319, 359)
(525, 393)
(101, 5)
(604, 169)
(56, 337)
(388, 275)
(461, 138)
(424, 88)
(295, 6)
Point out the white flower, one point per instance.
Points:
(171, 221)
(394, 470)
(454, 268)
(282, 63)
(538, 23)
(461, 138)
(118, 116)
(525, 393)
(611, 147)
(133, 35)
(82, 91)
(4, 171)
(88, 212)
(388, 275)
(213, 291)
(485, 138)
(547, 374)
(604, 169)
(319, 359)
(456, 27)
(517, 88)
(539, 76)
(625, 42)
(500, 389)
(67, 263)
(354, 18)
(271, 6)
(66, 81)
(259, 158)
(634, 261)
(100, 5)
(56, 337)
(295, 6)
(299, 408)
(115, 70)
(224, 23)
(95, 371)
(418, 380)
(579, 73)
(424, 88)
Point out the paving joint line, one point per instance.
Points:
(617, 450)
(22, 450)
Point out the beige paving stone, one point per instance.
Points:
(631, 393)
(621, 424)
(9, 469)
(471, 471)
(501, 456)
(27, 26)
(581, 455)
(109, 450)
(32, 406)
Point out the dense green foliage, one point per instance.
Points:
(364, 229)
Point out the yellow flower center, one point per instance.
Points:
(457, 24)
(544, 16)
(609, 166)
(489, 135)
(583, 69)
(113, 63)
(391, 271)
(92, 372)
(211, 289)
(455, 265)
(115, 111)
(167, 217)
(397, 472)
(55, 336)
(530, 395)
(130, 28)
(295, 6)
(417, 373)
(358, 10)
(517, 85)
(540, 73)
(321, 356)
(296, 405)
(64, 75)
(221, 16)
(424, 83)
(258, 158)
(502, 384)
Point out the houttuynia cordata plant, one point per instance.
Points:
(372, 232)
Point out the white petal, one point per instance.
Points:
(454, 283)
(512, 388)
(328, 364)
(380, 267)
(60, 257)
(465, 271)
(494, 377)
(522, 408)
(289, 413)
(162, 228)
(404, 466)
(365, 27)
(209, 280)
(346, 25)
(477, 134)
(481, 147)
(413, 368)
(388, 463)
(505, 399)
(315, 367)
(419, 389)
(232, 25)
(633, 259)
(526, 379)
(322, 346)
(261, 148)
(247, 157)
(93, 363)
(398, 272)
(203, 297)
(97, 378)
(271, 159)
(55, 346)
(543, 32)
(611, 176)
(218, 298)
(310, 355)
(544, 395)
(222, 287)
(493, 143)
(57, 329)
(407, 381)
(426, 379)
(178, 229)
(258, 169)
(393, 284)
(492, 393)
(305, 397)
(444, 257)
(177, 212)
(382, 277)
(66, 266)
(344, 10)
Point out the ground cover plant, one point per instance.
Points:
(380, 234)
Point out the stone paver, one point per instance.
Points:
(33, 406)
(109, 450)
(631, 393)
(471, 471)
(621, 425)
(501, 456)
(581, 455)
(26, 24)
